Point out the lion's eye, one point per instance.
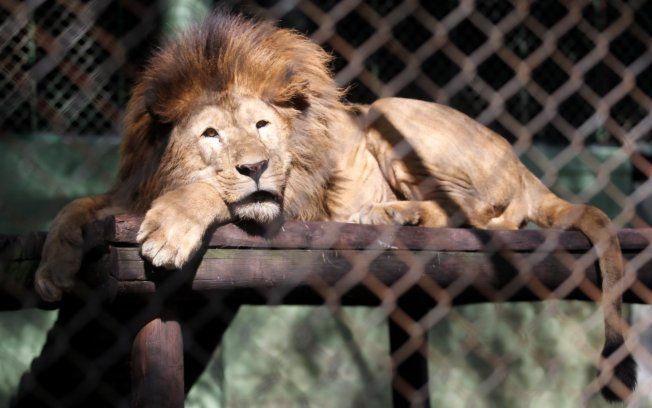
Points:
(261, 124)
(210, 132)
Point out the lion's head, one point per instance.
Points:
(243, 105)
(242, 147)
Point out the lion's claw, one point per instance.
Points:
(60, 261)
(45, 287)
(169, 238)
(51, 281)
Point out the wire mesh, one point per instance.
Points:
(568, 84)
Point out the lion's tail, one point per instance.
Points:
(617, 368)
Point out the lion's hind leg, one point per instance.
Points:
(422, 213)
(63, 249)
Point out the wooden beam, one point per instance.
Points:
(463, 277)
(310, 261)
(122, 230)
(19, 258)
(157, 365)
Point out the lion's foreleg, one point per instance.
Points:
(63, 250)
(174, 227)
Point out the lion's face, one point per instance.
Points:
(241, 147)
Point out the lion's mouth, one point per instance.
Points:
(261, 206)
(261, 196)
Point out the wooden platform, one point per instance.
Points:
(312, 263)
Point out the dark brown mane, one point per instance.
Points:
(227, 52)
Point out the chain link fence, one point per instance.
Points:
(568, 83)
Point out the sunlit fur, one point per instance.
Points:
(238, 140)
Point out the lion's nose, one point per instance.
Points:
(253, 170)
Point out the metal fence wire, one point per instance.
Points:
(568, 83)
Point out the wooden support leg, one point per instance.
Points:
(157, 365)
(409, 370)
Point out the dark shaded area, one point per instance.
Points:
(74, 79)
(83, 88)
(410, 372)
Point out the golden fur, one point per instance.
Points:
(242, 120)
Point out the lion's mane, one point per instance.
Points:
(229, 52)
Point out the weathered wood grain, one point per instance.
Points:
(157, 365)
(331, 235)
(467, 276)
(19, 258)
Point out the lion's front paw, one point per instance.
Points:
(61, 259)
(50, 282)
(387, 213)
(169, 238)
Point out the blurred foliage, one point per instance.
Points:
(23, 334)
(44, 172)
(300, 356)
(515, 355)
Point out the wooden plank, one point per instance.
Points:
(157, 365)
(251, 268)
(19, 258)
(493, 277)
(331, 235)
(326, 252)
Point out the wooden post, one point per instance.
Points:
(157, 365)
(409, 354)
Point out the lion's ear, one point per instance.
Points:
(299, 101)
(294, 95)
(151, 97)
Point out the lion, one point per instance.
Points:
(240, 120)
